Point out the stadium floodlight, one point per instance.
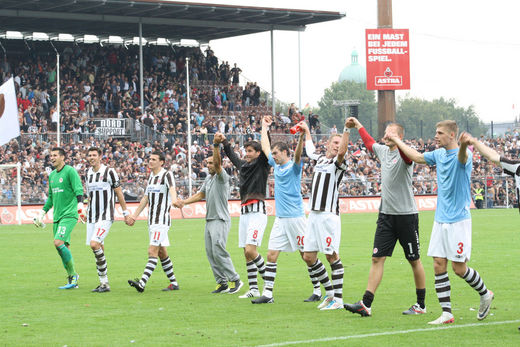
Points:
(90, 39)
(13, 35)
(38, 36)
(189, 43)
(135, 40)
(160, 42)
(65, 37)
(112, 39)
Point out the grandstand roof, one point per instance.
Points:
(167, 19)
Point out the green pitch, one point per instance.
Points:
(35, 312)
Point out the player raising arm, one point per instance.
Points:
(66, 197)
(253, 218)
(288, 230)
(324, 224)
(451, 234)
(398, 219)
(218, 222)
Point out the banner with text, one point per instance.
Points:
(110, 126)
(8, 214)
(388, 59)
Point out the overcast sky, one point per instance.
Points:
(468, 50)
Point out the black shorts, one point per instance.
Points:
(391, 228)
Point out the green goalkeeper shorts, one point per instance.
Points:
(63, 229)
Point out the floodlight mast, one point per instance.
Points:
(188, 110)
(58, 102)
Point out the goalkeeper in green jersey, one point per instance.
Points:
(66, 196)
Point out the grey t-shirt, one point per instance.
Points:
(396, 182)
(216, 189)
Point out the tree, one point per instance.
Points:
(347, 90)
(419, 116)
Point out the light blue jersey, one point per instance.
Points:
(287, 189)
(453, 184)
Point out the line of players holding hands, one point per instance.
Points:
(320, 232)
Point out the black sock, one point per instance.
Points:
(421, 294)
(368, 297)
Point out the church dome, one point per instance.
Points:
(353, 72)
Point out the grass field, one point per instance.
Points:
(35, 312)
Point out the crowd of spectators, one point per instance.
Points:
(102, 82)
(362, 177)
(98, 82)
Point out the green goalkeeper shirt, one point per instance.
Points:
(64, 186)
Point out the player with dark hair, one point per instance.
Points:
(103, 186)
(66, 197)
(398, 219)
(253, 218)
(451, 234)
(160, 195)
(215, 190)
(288, 230)
(324, 224)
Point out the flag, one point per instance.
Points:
(307, 106)
(9, 124)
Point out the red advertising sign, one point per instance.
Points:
(9, 214)
(388, 59)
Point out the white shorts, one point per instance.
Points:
(98, 231)
(287, 234)
(323, 233)
(451, 241)
(251, 229)
(159, 235)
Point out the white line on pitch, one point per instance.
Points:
(325, 339)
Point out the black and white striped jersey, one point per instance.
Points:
(325, 182)
(159, 201)
(512, 168)
(101, 196)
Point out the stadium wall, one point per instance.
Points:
(198, 210)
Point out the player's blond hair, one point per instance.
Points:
(399, 127)
(333, 136)
(450, 125)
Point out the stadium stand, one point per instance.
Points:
(101, 83)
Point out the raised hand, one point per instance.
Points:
(303, 125)
(352, 122)
(465, 138)
(218, 138)
(267, 121)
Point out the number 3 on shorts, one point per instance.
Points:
(461, 248)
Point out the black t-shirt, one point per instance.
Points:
(253, 175)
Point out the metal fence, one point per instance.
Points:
(499, 191)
